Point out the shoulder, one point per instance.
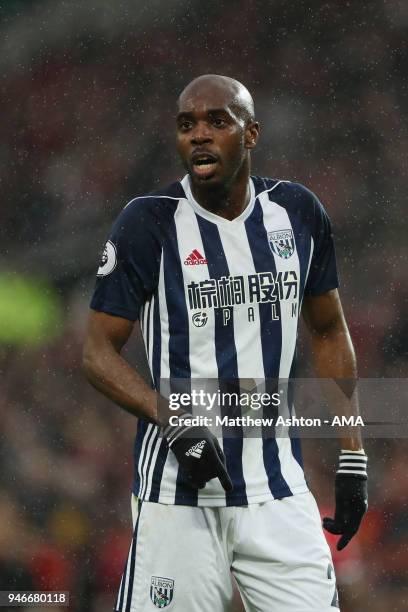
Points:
(156, 203)
(299, 201)
(286, 192)
(151, 211)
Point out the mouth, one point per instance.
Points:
(204, 164)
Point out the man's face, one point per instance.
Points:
(211, 138)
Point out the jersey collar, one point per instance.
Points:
(203, 212)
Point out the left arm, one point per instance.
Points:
(335, 360)
(333, 355)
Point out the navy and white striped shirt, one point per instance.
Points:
(218, 299)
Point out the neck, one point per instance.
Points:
(228, 200)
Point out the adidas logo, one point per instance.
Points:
(195, 259)
(196, 450)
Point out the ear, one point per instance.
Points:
(251, 134)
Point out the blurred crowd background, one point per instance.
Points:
(88, 95)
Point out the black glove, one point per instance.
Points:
(199, 455)
(351, 497)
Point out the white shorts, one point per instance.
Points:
(182, 557)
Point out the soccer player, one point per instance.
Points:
(216, 268)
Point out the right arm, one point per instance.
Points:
(110, 373)
(127, 276)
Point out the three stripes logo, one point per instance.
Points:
(196, 450)
(195, 259)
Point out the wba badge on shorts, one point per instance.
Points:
(161, 591)
(282, 243)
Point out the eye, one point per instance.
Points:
(185, 125)
(218, 122)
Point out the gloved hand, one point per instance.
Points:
(199, 454)
(350, 495)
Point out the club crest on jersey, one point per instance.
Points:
(108, 260)
(282, 243)
(161, 591)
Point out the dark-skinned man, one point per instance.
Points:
(216, 268)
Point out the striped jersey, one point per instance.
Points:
(220, 300)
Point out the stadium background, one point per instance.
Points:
(87, 101)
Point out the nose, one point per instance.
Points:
(201, 133)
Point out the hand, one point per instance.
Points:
(199, 454)
(351, 505)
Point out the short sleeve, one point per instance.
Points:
(129, 268)
(323, 274)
